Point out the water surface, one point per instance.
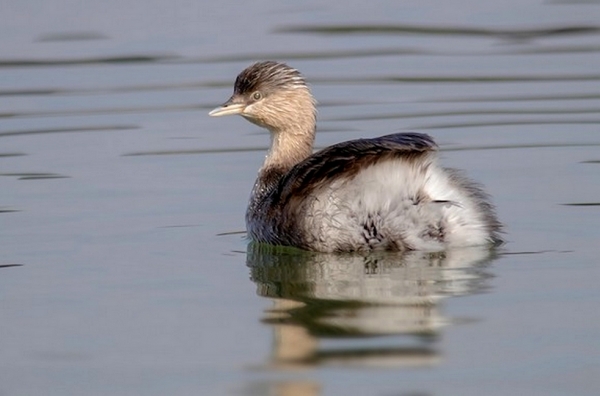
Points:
(124, 267)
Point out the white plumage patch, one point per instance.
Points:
(392, 204)
(465, 223)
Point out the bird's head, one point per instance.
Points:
(271, 95)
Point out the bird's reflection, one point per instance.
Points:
(322, 300)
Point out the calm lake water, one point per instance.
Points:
(123, 265)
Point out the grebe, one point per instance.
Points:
(386, 193)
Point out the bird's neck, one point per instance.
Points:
(289, 147)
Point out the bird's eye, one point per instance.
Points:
(256, 95)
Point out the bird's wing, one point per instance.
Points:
(347, 159)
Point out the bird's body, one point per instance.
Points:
(386, 193)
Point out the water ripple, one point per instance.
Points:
(460, 79)
(513, 34)
(582, 204)
(69, 130)
(503, 123)
(71, 36)
(465, 113)
(6, 155)
(197, 151)
(35, 175)
(128, 59)
(519, 98)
